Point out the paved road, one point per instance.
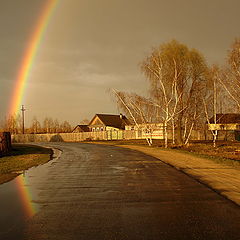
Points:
(96, 192)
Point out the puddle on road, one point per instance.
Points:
(18, 200)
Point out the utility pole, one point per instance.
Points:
(23, 110)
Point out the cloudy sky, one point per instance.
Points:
(93, 45)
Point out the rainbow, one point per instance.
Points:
(23, 74)
(29, 56)
(26, 197)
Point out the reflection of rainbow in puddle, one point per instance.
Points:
(30, 208)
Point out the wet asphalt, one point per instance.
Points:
(97, 192)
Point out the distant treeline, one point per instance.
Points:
(13, 124)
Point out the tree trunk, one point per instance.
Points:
(173, 132)
(215, 133)
(179, 133)
(165, 135)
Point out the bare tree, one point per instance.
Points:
(218, 91)
(164, 93)
(56, 126)
(35, 126)
(139, 109)
(211, 100)
(66, 127)
(47, 125)
(12, 124)
(230, 75)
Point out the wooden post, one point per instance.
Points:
(5, 143)
(23, 110)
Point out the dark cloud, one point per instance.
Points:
(91, 46)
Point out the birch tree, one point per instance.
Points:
(56, 126)
(177, 79)
(46, 125)
(211, 101)
(230, 75)
(217, 93)
(35, 126)
(139, 109)
(12, 124)
(66, 127)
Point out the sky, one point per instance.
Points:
(91, 46)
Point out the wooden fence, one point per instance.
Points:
(118, 135)
(84, 136)
(5, 143)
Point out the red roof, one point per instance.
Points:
(117, 121)
(83, 128)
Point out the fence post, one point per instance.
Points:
(5, 143)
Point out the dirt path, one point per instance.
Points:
(222, 178)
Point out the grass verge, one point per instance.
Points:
(22, 157)
(215, 158)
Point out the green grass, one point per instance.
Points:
(22, 157)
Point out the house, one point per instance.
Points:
(108, 122)
(153, 130)
(144, 126)
(228, 126)
(227, 122)
(81, 128)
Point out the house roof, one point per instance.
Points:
(227, 118)
(84, 128)
(117, 121)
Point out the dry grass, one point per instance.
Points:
(225, 152)
(22, 157)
